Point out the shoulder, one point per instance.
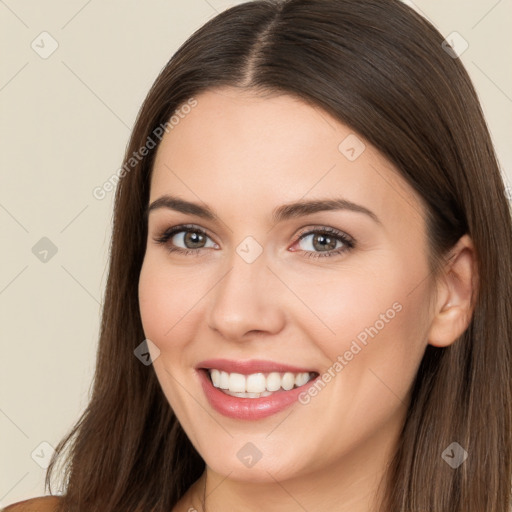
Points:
(42, 504)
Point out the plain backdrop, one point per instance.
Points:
(73, 76)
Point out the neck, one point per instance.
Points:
(315, 493)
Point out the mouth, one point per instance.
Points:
(252, 390)
(259, 384)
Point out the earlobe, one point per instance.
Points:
(457, 288)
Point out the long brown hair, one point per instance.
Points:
(380, 68)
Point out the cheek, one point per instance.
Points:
(372, 358)
(377, 320)
(154, 302)
(166, 302)
(166, 307)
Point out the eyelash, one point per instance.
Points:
(349, 242)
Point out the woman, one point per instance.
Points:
(312, 246)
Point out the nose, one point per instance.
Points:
(246, 301)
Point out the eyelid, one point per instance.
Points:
(325, 229)
(303, 231)
(167, 233)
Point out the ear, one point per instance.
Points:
(457, 287)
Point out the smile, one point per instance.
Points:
(257, 385)
(252, 390)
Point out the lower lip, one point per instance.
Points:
(249, 408)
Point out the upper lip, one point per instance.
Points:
(250, 366)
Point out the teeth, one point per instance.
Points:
(273, 381)
(248, 395)
(223, 380)
(257, 384)
(301, 379)
(288, 381)
(237, 383)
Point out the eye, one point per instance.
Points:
(327, 241)
(192, 238)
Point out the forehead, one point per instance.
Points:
(235, 150)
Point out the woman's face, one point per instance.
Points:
(259, 288)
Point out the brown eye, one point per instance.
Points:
(185, 239)
(325, 242)
(194, 239)
(322, 242)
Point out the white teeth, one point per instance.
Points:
(223, 380)
(248, 395)
(237, 383)
(273, 381)
(215, 375)
(257, 384)
(301, 379)
(288, 381)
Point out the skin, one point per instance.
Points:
(245, 155)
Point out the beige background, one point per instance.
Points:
(65, 123)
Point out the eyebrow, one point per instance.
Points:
(279, 214)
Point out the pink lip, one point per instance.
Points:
(251, 366)
(249, 408)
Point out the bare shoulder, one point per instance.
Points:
(41, 504)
